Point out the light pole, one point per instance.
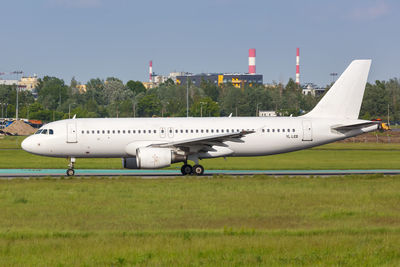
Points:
(69, 110)
(201, 108)
(187, 96)
(333, 74)
(257, 109)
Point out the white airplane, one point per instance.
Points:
(151, 143)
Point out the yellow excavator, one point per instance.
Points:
(382, 126)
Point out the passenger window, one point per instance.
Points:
(144, 131)
(278, 130)
(98, 131)
(87, 132)
(138, 131)
(191, 130)
(123, 131)
(273, 130)
(92, 131)
(288, 130)
(267, 130)
(176, 131)
(113, 131)
(186, 130)
(217, 130)
(82, 132)
(197, 130)
(108, 131)
(154, 131)
(133, 131)
(283, 130)
(118, 131)
(201, 130)
(129, 131)
(51, 131)
(263, 130)
(181, 131)
(212, 130)
(206, 130)
(103, 132)
(293, 130)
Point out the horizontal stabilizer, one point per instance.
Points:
(350, 127)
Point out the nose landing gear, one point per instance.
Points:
(71, 171)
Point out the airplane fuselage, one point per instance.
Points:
(109, 138)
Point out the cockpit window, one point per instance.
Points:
(39, 131)
(51, 131)
(44, 131)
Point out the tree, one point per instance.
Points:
(52, 92)
(205, 107)
(114, 90)
(149, 105)
(136, 87)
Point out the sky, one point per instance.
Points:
(116, 38)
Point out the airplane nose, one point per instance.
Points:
(27, 144)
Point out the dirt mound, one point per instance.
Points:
(19, 128)
(375, 137)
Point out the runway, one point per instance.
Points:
(5, 173)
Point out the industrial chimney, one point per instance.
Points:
(151, 71)
(252, 61)
(298, 66)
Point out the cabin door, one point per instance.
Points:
(71, 133)
(307, 131)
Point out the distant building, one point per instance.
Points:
(149, 85)
(8, 82)
(236, 79)
(267, 113)
(28, 83)
(81, 88)
(312, 89)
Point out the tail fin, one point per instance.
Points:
(344, 99)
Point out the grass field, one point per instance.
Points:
(218, 221)
(332, 156)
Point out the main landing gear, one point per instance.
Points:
(188, 169)
(71, 171)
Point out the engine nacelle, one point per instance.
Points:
(155, 157)
(129, 163)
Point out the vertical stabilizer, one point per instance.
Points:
(344, 98)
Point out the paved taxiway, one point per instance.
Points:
(4, 173)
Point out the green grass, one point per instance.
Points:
(218, 221)
(332, 156)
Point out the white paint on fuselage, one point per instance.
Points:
(113, 144)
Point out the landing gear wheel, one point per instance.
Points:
(70, 172)
(186, 169)
(198, 170)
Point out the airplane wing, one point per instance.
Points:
(356, 126)
(205, 143)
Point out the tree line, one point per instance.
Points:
(112, 98)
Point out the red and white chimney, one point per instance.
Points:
(151, 71)
(252, 61)
(298, 66)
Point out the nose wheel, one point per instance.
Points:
(71, 171)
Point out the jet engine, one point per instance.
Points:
(153, 158)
